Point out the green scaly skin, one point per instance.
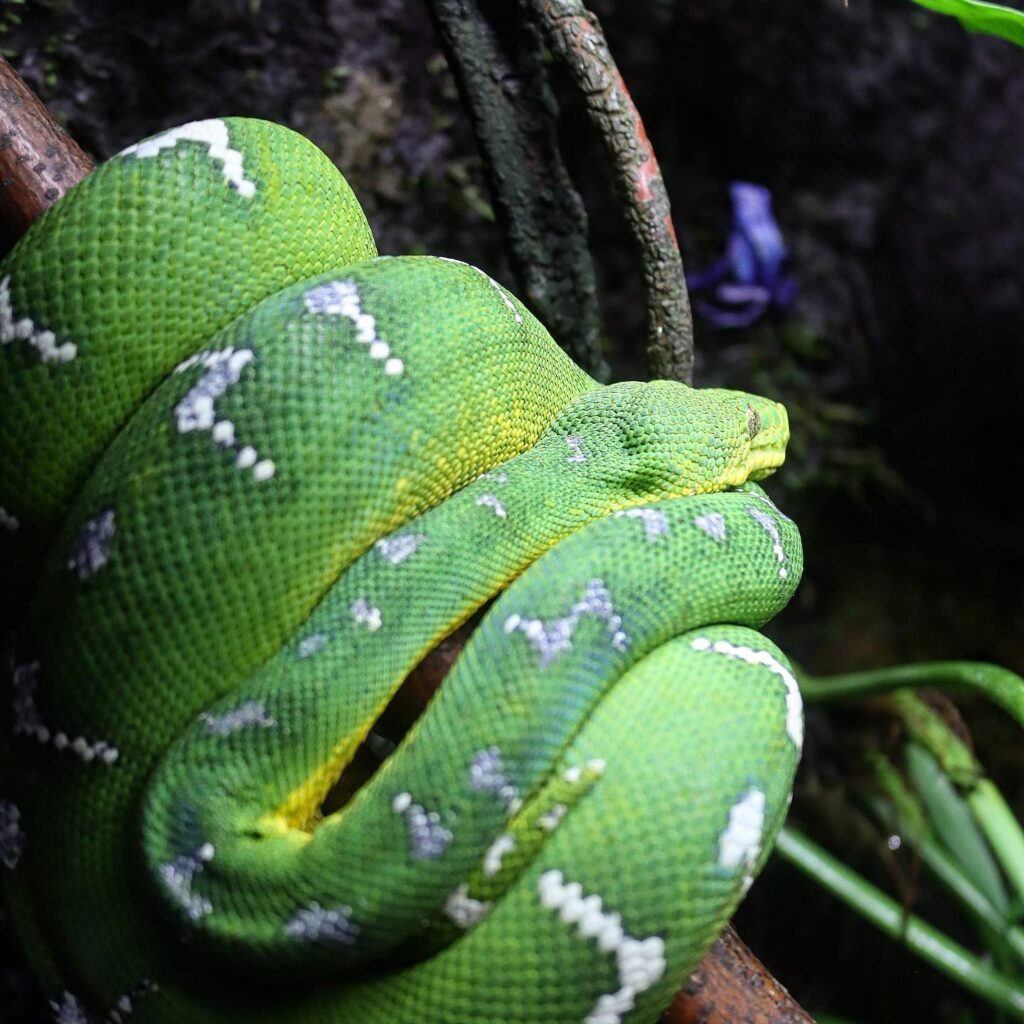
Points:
(260, 510)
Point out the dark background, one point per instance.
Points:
(894, 146)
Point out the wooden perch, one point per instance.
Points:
(39, 162)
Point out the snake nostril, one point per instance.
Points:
(753, 421)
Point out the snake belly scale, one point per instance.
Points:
(250, 473)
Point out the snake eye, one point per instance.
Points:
(753, 422)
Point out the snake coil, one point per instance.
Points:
(250, 473)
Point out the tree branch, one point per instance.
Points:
(503, 85)
(39, 161)
(575, 37)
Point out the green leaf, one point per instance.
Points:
(954, 825)
(981, 17)
(919, 937)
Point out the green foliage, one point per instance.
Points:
(975, 16)
(936, 799)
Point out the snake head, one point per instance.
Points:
(664, 439)
(750, 433)
(768, 431)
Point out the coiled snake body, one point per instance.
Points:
(249, 475)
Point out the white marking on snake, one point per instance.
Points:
(492, 501)
(550, 639)
(427, 836)
(211, 133)
(494, 476)
(90, 550)
(12, 840)
(640, 962)
(595, 766)
(8, 521)
(713, 524)
(125, 1005)
(397, 549)
(765, 500)
(794, 702)
(487, 771)
(250, 712)
(331, 925)
(341, 298)
(505, 843)
(68, 1010)
(494, 284)
(551, 819)
(29, 722)
(465, 911)
(246, 458)
(224, 433)
(770, 527)
(576, 453)
(364, 614)
(178, 875)
(487, 775)
(654, 520)
(310, 645)
(222, 369)
(740, 841)
(44, 342)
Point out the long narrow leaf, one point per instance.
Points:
(955, 826)
(885, 913)
(975, 16)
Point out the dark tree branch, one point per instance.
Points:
(575, 37)
(503, 85)
(732, 985)
(39, 161)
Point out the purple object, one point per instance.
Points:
(748, 280)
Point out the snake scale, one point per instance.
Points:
(250, 474)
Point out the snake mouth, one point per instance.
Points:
(764, 463)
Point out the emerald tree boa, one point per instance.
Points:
(250, 473)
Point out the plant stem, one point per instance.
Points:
(886, 914)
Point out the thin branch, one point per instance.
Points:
(916, 935)
(575, 37)
(39, 161)
(503, 85)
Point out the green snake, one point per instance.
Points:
(250, 474)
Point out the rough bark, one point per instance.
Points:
(575, 37)
(503, 84)
(39, 161)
